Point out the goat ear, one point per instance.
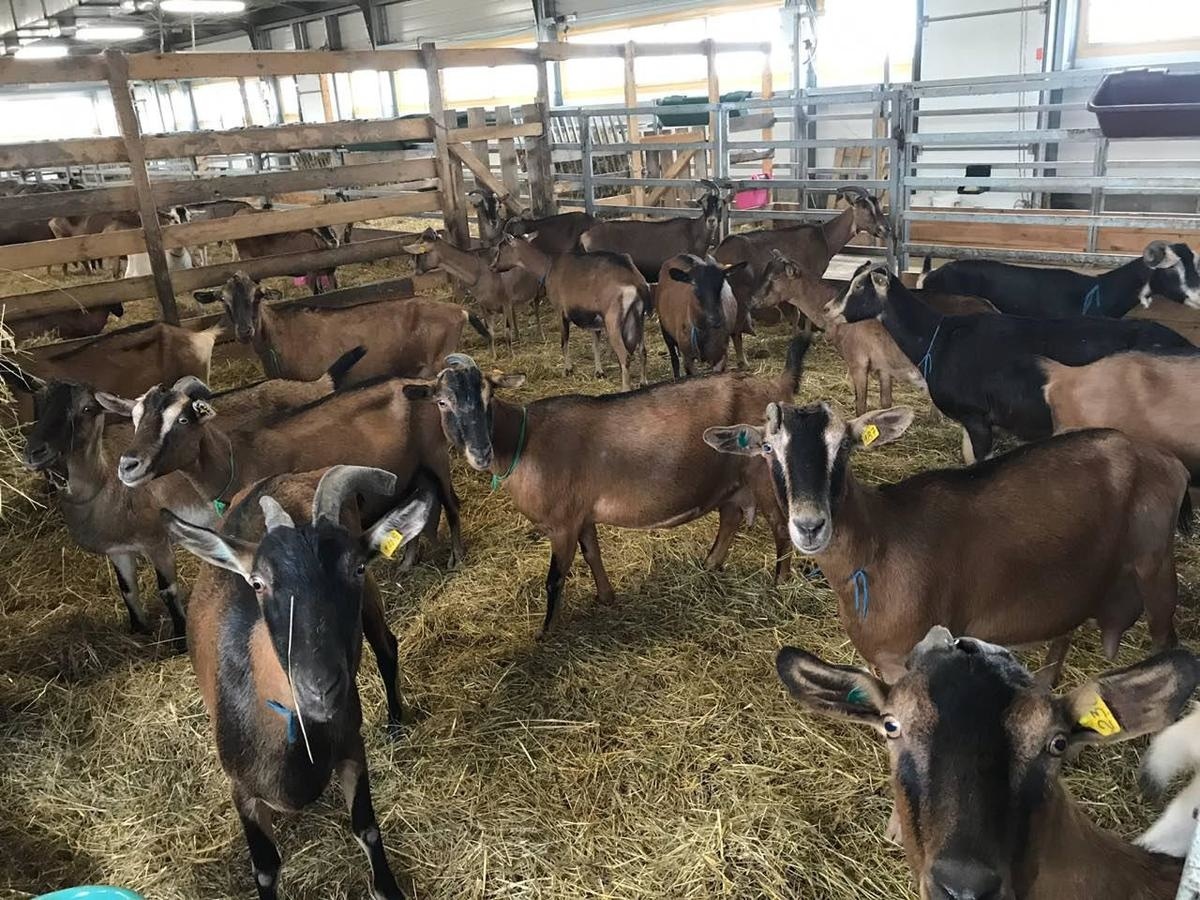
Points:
(231, 554)
(679, 275)
(416, 249)
(507, 380)
(1159, 255)
(736, 267)
(1130, 702)
(115, 404)
(20, 380)
(398, 527)
(269, 294)
(742, 439)
(881, 281)
(419, 390)
(881, 426)
(203, 410)
(841, 691)
(206, 296)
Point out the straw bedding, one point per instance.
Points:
(645, 750)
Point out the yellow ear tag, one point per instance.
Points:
(391, 543)
(1100, 719)
(870, 434)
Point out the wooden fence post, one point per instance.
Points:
(131, 134)
(508, 154)
(454, 214)
(633, 126)
(539, 163)
(714, 96)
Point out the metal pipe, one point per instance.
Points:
(1036, 7)
(949, 251)
(1150, 223)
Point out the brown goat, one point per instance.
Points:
(630, 460)
(696, 311)
(1145, 395)
(976, 754)
(309, 240)
(372, 425)
(809, 246)
(498, 293)
(552, 234)
(295, 340)
(650, 244)
(601, 292)
(69, 323)
(275, 628)
(866, 347)
(969, 547)
(125, 362)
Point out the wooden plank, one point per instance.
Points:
(672, 171)
(35, 254)
(131, 134)
(714, 96)
(188, 65)
(675, 137)
(539, 162)
(484, 175)
(75, 151)
(88, 296)
(768, 91)
(454, 213)
(560, 51)
(72, 69)
(508, 154)
(174, 193)
(233, 228)
(476, 119)
(494, 132)
(633, 129)
(40, 207)
(282, 138)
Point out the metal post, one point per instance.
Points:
(585, 144)
(1099, 168)
(721, 158)
(897, 252)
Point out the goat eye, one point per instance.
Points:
(1057, 745)
(891, 727)
(258, 584)
(766, 448)
(182, 420)
(360, 569)
(443, 403)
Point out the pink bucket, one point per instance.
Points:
(755, 198)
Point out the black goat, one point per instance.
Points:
(276, 650)
(982, 370)
(1165, 269)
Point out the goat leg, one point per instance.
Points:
(125, 568)
(514, 334)
(566, 346)
(163, 560)
(356, 786)
(673, 351)
(562, 554)
(977, 439)
(449, 501)
(260, 838)
(885, 389)
(387, 656)
(740, 351)
(1047, 677)
(598, 366)
(642, 350)
(860, 377)
(731, 518)
(589, 543)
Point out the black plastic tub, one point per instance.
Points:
(1141, 103)
(668, 119)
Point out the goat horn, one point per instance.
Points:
(340, 481)
(460, 361)
(854, 189)
(274, 514)
(193, 387)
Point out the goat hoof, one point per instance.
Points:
(599, 374)
(178, 644)
(607, 599)
(137, 626)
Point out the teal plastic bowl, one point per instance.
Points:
(92, 892)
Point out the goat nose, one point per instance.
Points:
(965, 880)
(37, 455)
(810, 528)
(129, 467)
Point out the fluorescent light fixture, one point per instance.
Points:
(103, 33)
(42, 50)
(203, 7)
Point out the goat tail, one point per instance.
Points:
(1186, 514)
(1174, 751)
(343, 364)
(479, 325)
(789, 381)
(647, 295)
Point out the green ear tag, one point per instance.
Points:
(495, 482)
(220, 506)
(743, 440)
(857, 696)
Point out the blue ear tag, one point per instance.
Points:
(220, 506)
(743, 439)
(276, 706)
(857, 696)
